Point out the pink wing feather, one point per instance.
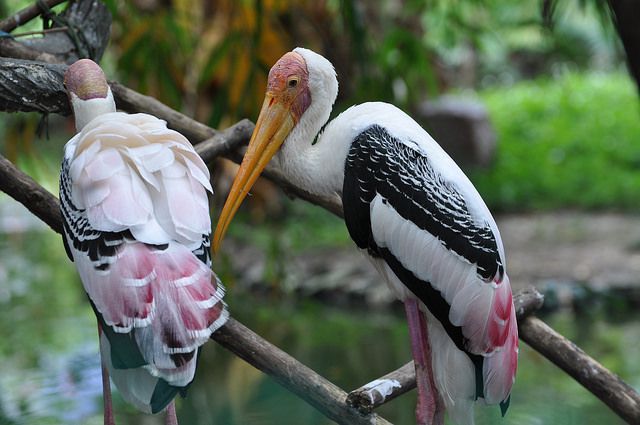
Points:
(136, 194)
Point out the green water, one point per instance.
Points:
(49, 367)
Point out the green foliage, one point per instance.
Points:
(567, 142)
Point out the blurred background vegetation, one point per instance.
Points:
(558, 94)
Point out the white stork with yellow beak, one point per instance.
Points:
(418, 217)
(136, 225)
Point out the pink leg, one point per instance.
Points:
(430, 410)
(172, 418)
(106, 391)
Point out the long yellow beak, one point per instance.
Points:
(274, 125)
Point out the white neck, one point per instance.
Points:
(86, 110)
(316, 168)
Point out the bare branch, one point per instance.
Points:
(226, 141)
(131, 101)
(12, 49)
(25, 15)
(383, 389)
(32, 86)
(604, 384)
(527, 301)
(28, 192)
(297, 378)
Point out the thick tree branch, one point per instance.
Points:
(31, 86)
(625, 15)
(296, 377)
(131, 101)
(29, 193)
(604, 384)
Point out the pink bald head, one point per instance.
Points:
(86, 80)
(289, 83)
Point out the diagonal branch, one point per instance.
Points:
(296, 377)
(603, 383)
(29, 193)
(25, 15)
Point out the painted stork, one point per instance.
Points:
(136, 225)
(417, 216)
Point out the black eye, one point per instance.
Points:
(292, 83)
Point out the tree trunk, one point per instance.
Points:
(626, 18)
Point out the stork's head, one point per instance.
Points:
(89, 93)
(301, 89)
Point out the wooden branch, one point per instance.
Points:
(384, 389)
(32, 87)
(131, 101)
(527, 301)
(402, 380)
(25, 15)
(293, 375)
(29, 193)
(12, 49)
(226, 141)
(604, 384)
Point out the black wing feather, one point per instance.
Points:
(380, 164)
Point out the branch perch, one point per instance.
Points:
(296, 377)
(604, 384)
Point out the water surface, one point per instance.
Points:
(49, 365)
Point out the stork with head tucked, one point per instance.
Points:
(136, 225)
(420, 220)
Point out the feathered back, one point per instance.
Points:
(129, 171)
(133, 196)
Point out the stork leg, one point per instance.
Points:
(106, 390)
(430, 409)
(171, 418)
